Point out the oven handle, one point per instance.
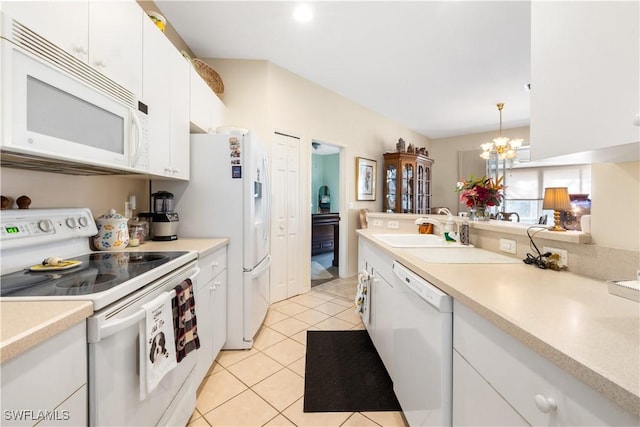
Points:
(99, 332)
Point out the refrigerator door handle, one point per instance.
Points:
(260, 268)
(267, 181)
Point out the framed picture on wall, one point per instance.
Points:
(366, 171)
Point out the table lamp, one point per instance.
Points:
(556, 198)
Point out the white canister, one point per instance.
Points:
(113, 233)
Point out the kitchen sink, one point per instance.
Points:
(460, 255)
(416, 241)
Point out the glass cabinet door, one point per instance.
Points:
(390, 182)
(407, 188)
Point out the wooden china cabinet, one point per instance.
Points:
(407, 186)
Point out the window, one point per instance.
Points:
(525, 187)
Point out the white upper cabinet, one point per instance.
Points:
(107, 35)
(156, 78)
(166, 93)
(64, 23)
(179, 102)
(585, 91)
(115, 41)
(206, 109)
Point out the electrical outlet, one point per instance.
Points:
(376, 223)
(564, 259)
(508, 246)
(393, 224)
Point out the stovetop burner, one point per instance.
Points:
(98, 272)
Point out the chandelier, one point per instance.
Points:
(503, 147)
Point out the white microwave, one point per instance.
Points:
(57, 108)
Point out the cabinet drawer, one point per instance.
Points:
(521, 376)
(212, 264)
(381, 262)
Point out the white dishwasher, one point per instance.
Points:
(422, 350)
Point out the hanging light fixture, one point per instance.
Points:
(503, 147)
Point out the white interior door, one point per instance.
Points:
(285, 250)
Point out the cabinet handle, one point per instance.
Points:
(545, 404)
(99, 63)
(79, 50)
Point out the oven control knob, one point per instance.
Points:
(83, 221)
(44, 225)
(71, 222)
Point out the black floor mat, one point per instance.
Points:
(344, 373)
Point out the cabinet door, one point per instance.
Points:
(476, 403)
(382, 310)
(63, 23)
(407, 185)
(200, 107)
(45, 376)
(205, 322)
(179, 104)
(391, 174)
(219, 312)
(584, 76)
(157, 75)
(115, 41)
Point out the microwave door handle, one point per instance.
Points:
(138, 126)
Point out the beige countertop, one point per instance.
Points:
(569, 319)
(203, 246)
(26, 324)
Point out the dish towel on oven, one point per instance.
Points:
(184, 318)
(157, 352)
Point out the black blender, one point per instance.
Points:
(165, 220)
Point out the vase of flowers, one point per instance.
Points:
(478, 194)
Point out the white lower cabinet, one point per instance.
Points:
(48, 383)
(381, 304)
(529, 385)
(211, 310)
(476, 403)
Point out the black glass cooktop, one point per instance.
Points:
(98, 272)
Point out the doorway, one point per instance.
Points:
(325, 212)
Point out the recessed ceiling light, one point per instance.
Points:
(303, 13)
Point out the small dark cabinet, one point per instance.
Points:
(325, 232)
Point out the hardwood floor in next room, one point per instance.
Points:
(264, 386)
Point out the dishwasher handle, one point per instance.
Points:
(97, 331)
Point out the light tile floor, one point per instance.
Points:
(264, 386)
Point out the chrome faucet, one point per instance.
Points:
(450, 227)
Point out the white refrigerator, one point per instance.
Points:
(228, 195)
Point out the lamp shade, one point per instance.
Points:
(556, 198)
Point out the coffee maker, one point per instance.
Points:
(164, 223)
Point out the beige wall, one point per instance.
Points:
(53, 190)
(445, 169)
(267, 98)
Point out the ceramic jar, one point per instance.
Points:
(113, 233)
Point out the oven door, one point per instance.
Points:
(114, 371)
